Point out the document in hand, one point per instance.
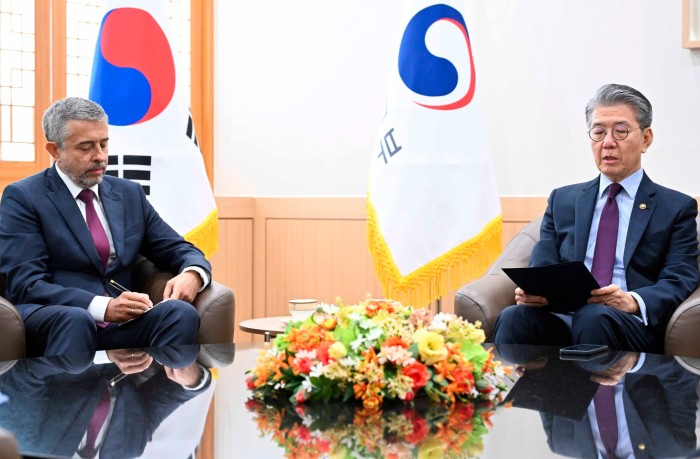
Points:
(567, 286)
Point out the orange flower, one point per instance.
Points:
(395, 341)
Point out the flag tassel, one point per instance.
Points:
(436, 279)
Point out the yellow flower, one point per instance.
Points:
(432, 448)
(337, 350)
(339, 452)
(431, 346)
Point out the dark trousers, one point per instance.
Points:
(590, 324)
(60, 330)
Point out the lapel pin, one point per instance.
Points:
(643, 206)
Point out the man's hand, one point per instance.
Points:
(130, 361)
(188, 376)
(530, 300)
(614, 373)
(612, 295)
(127, 306)
(522, 368)
(184, 286)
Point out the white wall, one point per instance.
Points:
(300, 90)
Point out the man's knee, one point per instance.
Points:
(180, 308)
(178, 312)
(55, 330)
(593, 314)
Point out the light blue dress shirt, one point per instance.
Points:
(625, 204)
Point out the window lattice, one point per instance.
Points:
(17, 74)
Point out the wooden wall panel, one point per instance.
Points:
(232, 265)
(314, 258)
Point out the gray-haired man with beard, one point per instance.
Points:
(68, 231)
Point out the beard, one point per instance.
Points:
(82, 178)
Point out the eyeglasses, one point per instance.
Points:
(619, 132)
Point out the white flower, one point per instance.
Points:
(316, 370)
(329, 308)
(441, 320)
(304, 354)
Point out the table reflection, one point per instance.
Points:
(398, 431)
(65, 406)
(651, 411)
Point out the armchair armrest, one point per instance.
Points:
(487, 296)
(215, 304)
(483, 299)
(682, 338)
(12, 345)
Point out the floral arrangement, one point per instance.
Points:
(378, 350)
(341, 430)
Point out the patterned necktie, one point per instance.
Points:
(99, 236)
(606, 415)
(606, 241)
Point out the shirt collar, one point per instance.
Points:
(73, 188)
(630, 184)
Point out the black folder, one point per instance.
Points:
(567, 286)
(561, 388)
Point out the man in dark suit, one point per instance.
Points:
(69, 230)
(655, 401)
(658, 403)
(653, 261)
(53, 400)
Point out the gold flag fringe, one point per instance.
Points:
(440, 276)
(205, 236)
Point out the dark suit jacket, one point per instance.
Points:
(660, 403)
(661, 251)
(49, 408)
(47, 253)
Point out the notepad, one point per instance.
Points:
(567, 286)
(145, 312)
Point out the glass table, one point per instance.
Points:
(547, 414)
(48, 404)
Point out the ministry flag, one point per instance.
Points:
(152, 138)
(434, 216)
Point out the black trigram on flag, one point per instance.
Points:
(190, 130)
(132, 167)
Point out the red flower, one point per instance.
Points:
(418, 373)
(250, 381)
(420, 430)
(302, 365)
(322, 352)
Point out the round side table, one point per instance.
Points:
(267, 326)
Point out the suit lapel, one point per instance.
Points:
(640, 217)
(585, 205)
(65, 204)
(114, 211)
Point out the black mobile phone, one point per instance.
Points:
(583, 349)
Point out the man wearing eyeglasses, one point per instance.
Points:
(638, 238)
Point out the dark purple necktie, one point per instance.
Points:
(606, 415)
(99, 416)
(99, 236)
(606, 241)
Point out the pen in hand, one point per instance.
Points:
(116, 379)
(118, 286)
